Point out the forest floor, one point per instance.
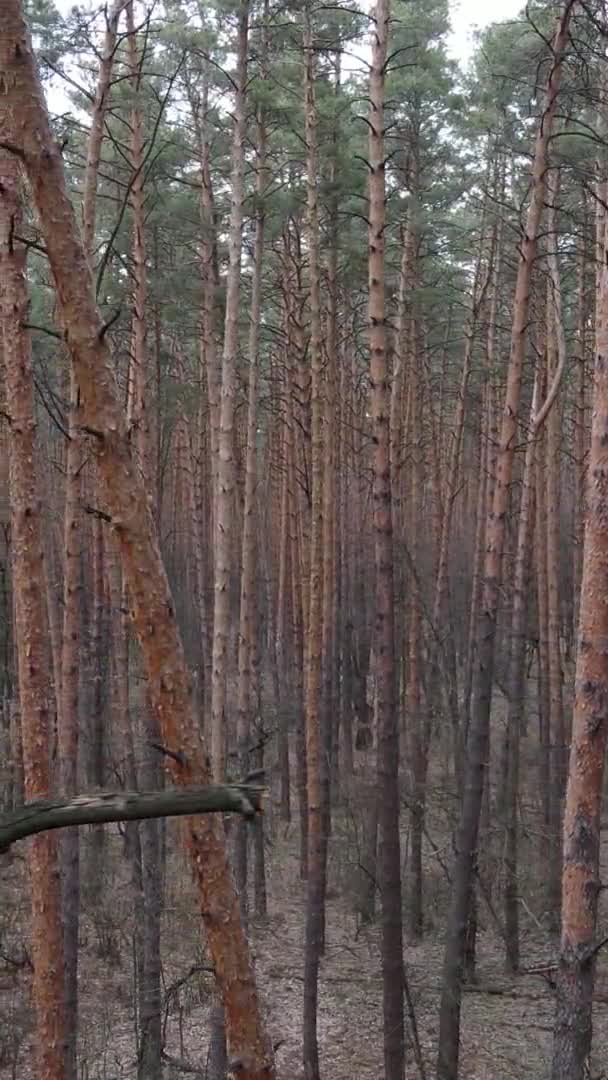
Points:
(507, 1021)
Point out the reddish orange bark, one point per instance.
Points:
(35, 691)
(581, 882)
(27, 128)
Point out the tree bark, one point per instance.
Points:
(389, 857)
(517, 699)
(225, 493)
(26, 128)
(69, 721)
(248, 614)
(315, 764)
(142, 436)
(101, 807)
(35, 692)
(581, 848)
(555, 347)
(478, 740)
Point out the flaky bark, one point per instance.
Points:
(517, 700)
(89, 219)
(142, 437)
(581, 882)
(281, 631)
(317, 850)
(580, 434)
(389, 859)
(248, 613)
(35, 692)
(415, 707)
(26, 127)
(297, 632)
(69, 720)
(468, 829)
(43, 815)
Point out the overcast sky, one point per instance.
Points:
(465, 14)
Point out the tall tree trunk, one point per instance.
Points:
(71, 638)
(280, 665)
(555, 349)
(580, 439)
(389, 857)
(149, 595)
(248, 615)
(298, 637)
(225, 494)
(149, 1051)
(517, 697)
(35, 693)
(208, 348)
(89, 218)
(415, 706)
(581, 882)
(96, 130)
(69, 721)
(315, 764)
(477, 746)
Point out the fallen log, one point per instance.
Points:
(99, 807)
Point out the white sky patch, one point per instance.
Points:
(468, 15)
(465, 15)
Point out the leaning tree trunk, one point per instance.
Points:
(389, 857)
(581, 882)
(478, 740)
(35, 692)
(26, 127)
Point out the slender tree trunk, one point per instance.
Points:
(298, 639)
(150, 599)
(35, 693)
(415, 707)
(248, 615)
(98, 661)
(580, 440)
(478, 741)
(315, 764)
(517, 698)
(555, 357)
(485, 458)
(96, 130)
(389, 858)
(581, 883)
(69, 722)
(71, 637)
(225, 494)
(280, 648)
(149, 1050)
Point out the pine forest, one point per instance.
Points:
(303, 541)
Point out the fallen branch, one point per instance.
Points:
(40, 815)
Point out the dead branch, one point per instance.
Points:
(40, 815)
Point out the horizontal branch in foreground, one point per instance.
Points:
(40, 815)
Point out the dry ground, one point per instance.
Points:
(506, 1022)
